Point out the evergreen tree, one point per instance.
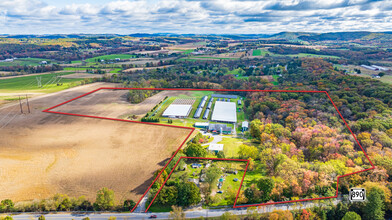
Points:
(374, 208)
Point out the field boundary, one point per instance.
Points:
(49, 110)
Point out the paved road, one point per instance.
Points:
(189, 214)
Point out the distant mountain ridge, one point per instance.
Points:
(290, 36)
(334, 36)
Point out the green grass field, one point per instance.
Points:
(312, 55)
(110, 57)
(229, 185)
(261, 52)
(188, 51)
(276, 80)
(76, 69)
(386, 79)
(158, 208)
(256, 52)
(30, 84)
(193, 58)
(252, 177)
(238, 73)
(116, 70)
(24, 62)
(231, 146)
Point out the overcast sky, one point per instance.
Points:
(193, 16)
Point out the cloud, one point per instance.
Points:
(319, 4)
(194, 16)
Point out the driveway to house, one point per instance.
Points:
(217, 138)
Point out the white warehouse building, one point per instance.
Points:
(177, 111)
(224, 112)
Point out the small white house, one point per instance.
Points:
(215, 147)
(245, 126)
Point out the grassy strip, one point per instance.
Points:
(49, 83)
(110, 57)
(23, 62)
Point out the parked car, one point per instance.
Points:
(235, 179)
(219, 191)
(153, 216)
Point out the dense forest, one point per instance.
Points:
(355, 55)
(299, 141)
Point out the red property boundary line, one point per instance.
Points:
(49, 110)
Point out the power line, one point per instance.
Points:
(50, 81)
(9, 121)
(15, 107)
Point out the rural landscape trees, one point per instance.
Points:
(105, 201)
(297, 143)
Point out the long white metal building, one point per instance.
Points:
(225, 112)
(177, 111)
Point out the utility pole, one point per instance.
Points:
(20, 105)
(28, 105)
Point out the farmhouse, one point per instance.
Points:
(224, 112)
(177, 111)
(219, 129)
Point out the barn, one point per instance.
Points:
(177, 111)
(224, 112)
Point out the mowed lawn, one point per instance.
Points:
(259, 52)
(231, 147)
(238, 73)
(229, 187)
(188, 51)
(256, 53)
(30, 83)
(110, 57)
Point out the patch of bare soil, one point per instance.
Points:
(43, 153)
